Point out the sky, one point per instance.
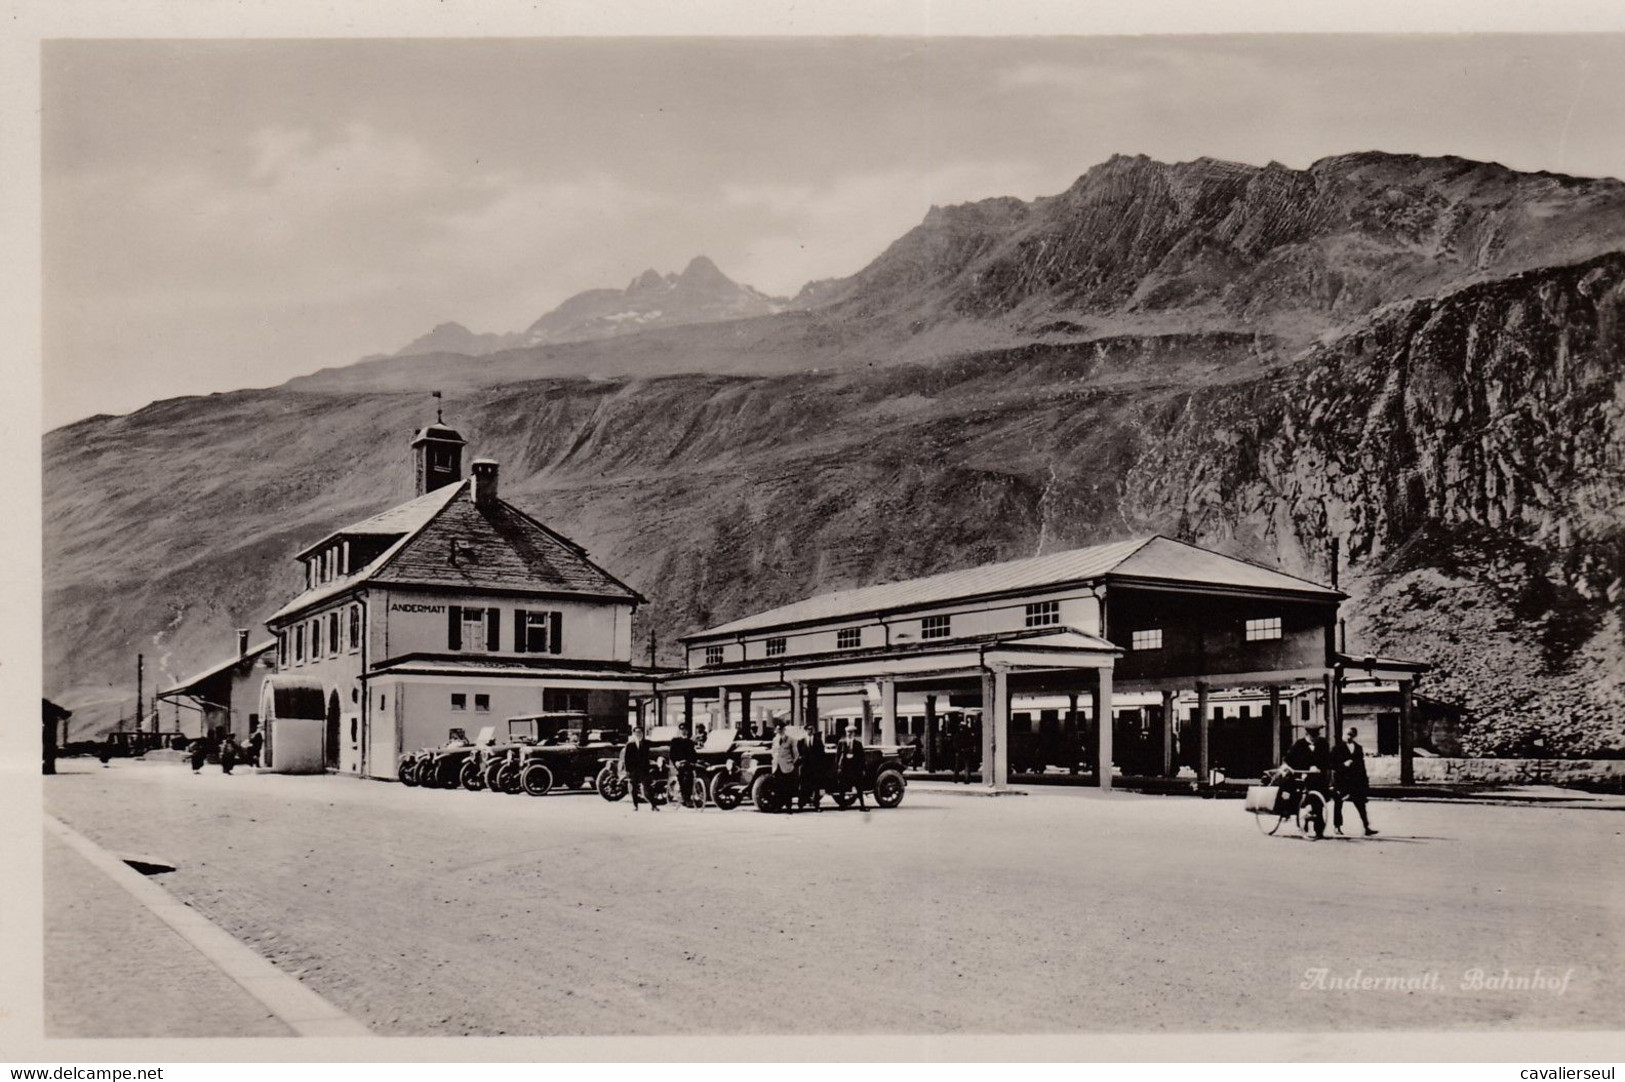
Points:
(221, 214)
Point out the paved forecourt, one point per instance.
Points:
(1062, 911)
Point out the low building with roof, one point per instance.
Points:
(223, 698)
(455, 610)
(1150, 616)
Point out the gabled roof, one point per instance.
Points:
(1156, 558)
(496, 548)
(405, 518)
(184, 687)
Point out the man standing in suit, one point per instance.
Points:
(635, 768)
(812, 769)
(683, 757)
(786, 778)
(1348, 760)
(849, 764)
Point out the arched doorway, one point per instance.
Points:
(330, 755)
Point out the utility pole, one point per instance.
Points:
(651, 648)
(1337, 545)
(140, 675)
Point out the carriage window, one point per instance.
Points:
(482, 703)
(1148, 639)
(849, 638)
(1266, 628)
(1043, 614)
(459, 701)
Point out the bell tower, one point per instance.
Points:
(437, 456)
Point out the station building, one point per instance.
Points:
(454, 610)
(1154, 621)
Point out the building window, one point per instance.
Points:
(473, 629)
(282, 649)
(459, 701)
(333, 633)
(316, 639)
(299, 644)
(482, 704)
(775, 647)
(1043, 614)
(538, 632)
(564, 701)
(713, 655)
(1148, 639)
(1267, 628)
(355, 628)
(849, 638)
(935, 627)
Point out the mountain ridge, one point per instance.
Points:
(915, 421)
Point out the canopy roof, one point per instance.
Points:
(1145, 559)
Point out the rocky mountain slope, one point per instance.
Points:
(700, 294)
(1455, 420)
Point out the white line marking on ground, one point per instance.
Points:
(300, 1008)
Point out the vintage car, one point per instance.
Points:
(437, 767)
(745, 772)
(544, 752)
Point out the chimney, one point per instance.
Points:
(485, 483)
(242, 642)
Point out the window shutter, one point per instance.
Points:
(519, 631)
(555, 632)
(493, 630)
(454, 627)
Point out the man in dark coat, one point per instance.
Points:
(813, 762)
(1308, 754)
(228, 753)
(1348, 763)
(683, 755)
(635, 768)
(965, 750)
(849, 764)
(256, 740)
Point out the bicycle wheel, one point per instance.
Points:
(1274, 825)
(1311, 817)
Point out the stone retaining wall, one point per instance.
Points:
(1385, 771)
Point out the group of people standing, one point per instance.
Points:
(228, 751)
(1338, 773)
(804, 770)
(804, 767)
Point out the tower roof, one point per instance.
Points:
(442, 432)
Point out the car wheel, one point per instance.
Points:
(469, 777)
(889, 786)
(492, 775)
(762, 794)
(844, 798)
(508, 779)
(697, 794)
(408, 772)
(536, 779)
(723, 794)
(610, 785)
(424, 772)
(445, 775)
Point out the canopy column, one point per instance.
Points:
(888, 711)
(1102, 694)
(744, 707)
(1407, 737)
(1203, 743)
(930, 733)
(1275, 725)
(797, 706)
(996, 728)
(1169, 698)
